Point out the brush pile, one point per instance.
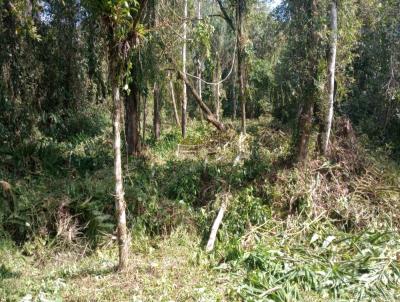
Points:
(350, 188)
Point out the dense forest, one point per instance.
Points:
(199, 150)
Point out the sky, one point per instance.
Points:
(275, 3)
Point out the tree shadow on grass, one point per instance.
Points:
(6, 273)
(89, 271)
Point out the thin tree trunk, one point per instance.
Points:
(240, 7)
(217, 90)
(156, 115)
(331, 78)
(234, 93)
(199, 64)
(218, 113)
(176, 115)
(120, 204)
(199, 86)
(144, 118)
(184, 92)
(132, 119)
(304, 129)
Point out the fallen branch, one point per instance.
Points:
(216, 225)
(208, 114)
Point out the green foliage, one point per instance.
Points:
(340, 266)
(202, 35)
(244, 211)
(373, 104)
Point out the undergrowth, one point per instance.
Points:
(326, 231)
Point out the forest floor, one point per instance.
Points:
(164, 269)
(324, 232)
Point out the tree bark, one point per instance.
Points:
(217, 89)
(199, 63)
(234, 100)
(304, 129)
(240, 8)
(305, 121)
(176, 115)
(156, 114)
(120, 204)
(331, 78)
(184, 92)
(132, 119)
(144, 118)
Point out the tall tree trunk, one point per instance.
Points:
(144, 118)
(331, 78)
(234, 100)
(218, 113)
(132, 119)
(171, 87)
(184, 92)
(120, 204)
(199, 63)
(217, 92)
(241, 59)
(199, 85)
(156, 114)
(305, 121)
(304, 128)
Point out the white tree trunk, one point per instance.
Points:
(120, 204)
(184, 92)
(331, 78)
(199, 88)
(171, 87)
(218, 102)
(217, 89)
(215, 227)
(234, 100)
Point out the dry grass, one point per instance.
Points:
(174, 269)
(350, 188)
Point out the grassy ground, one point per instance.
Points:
(163, 269)
(323, 232)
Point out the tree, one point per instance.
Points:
(132, 113)
(199, 62)
(175, 108)
(122, 36)
(241, 58)
(331, 78)
(307, 15)
(157, 109)
(184, 91)
(239, 29)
